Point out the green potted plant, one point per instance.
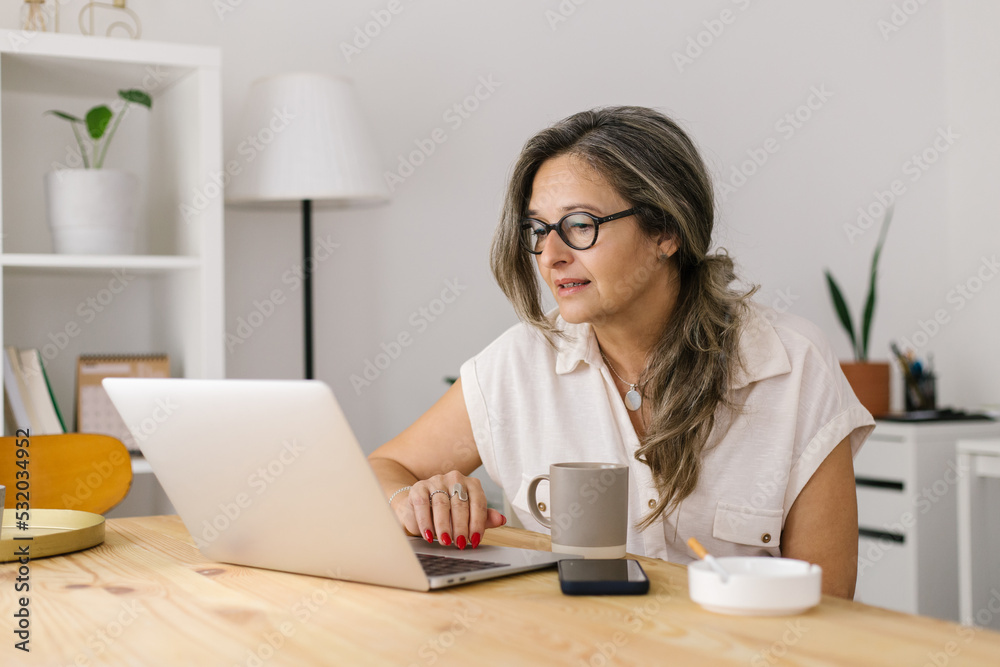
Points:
(868, 379)
(93, 210)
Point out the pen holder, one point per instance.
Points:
(921, 394)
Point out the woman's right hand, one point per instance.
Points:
(431, 510)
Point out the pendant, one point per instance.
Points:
(633, 400)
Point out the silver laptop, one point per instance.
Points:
(268, 473)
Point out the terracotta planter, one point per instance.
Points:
(870, 382)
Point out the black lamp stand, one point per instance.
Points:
(307, 267)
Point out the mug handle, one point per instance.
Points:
(533, 504)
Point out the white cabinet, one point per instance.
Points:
(168, 297)
(979, 532)
(907, 480)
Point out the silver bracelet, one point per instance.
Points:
(399, 491)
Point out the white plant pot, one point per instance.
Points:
(92, 211)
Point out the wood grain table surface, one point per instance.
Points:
(148, 597)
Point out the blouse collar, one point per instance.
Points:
(764, 355)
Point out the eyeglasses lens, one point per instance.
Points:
(533, 236)
(578, 230)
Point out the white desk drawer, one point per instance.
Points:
(884, 460)
(886, 575)
(886, 510)
(987, 466)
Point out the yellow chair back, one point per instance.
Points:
(77, 471)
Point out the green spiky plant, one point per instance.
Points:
(859, 343)
(97, 121)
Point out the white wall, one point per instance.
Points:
(889, 97)
(968, 346)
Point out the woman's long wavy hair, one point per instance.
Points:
(649, 160)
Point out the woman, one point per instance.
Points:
(736, 422)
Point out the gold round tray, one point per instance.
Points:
(53, 532)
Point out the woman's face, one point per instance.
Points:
(617, 278)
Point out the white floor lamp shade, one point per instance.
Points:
(303, 138)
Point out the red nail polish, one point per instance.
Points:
(460, 541)
(445, 539)
(475, 540)
(504, 520)
(428, 535)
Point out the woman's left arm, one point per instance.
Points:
(822, 525)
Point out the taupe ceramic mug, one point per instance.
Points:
(588, 506)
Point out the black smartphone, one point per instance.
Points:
(619, 576)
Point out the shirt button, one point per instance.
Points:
(765, 538)
(541, 507)
(652, 503)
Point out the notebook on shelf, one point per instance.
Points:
(15, 408)
(29, 400)
(40, 394)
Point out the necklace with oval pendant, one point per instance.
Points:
(633, 399)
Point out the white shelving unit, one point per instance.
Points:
(907, 483)
(168, 297)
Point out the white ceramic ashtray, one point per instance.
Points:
(759, 586)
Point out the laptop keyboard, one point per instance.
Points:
(436, 566)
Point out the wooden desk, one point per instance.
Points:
(148, 597)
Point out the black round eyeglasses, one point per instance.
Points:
(578, 230)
